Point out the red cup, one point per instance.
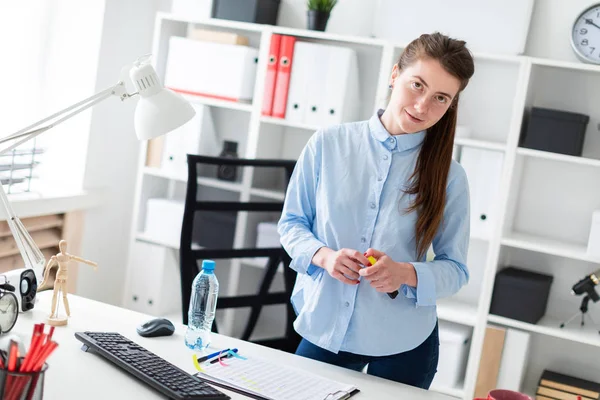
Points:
(502, 394)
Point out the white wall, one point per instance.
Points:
(113, 150)
(349, 17)
(550, 29)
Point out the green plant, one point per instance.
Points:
(321, 5)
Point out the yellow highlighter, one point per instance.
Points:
(373, 260)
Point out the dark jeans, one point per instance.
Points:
(415, 367)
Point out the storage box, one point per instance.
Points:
(163, 220)
(556, 131)
(223, 71)
(454, 349)
(258, 11)
(520, 294)
(266, 235)
(593, 248)
(214, 229)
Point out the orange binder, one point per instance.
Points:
(284, 70)
(267, 107)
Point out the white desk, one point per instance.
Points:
(75, 374)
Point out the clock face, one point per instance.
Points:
(585, 37)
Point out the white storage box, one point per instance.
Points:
(217, 70)
(154, 280)
(593, 248)
(266, 235)
(454, 348)
(164, 218)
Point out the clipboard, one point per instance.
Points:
(262, 380)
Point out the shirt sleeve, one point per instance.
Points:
(448, 272)
(299, 209)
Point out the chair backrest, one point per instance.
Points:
(190, 254)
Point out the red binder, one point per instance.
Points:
(284, 70)
(267, 107)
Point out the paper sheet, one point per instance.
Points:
(275, 381)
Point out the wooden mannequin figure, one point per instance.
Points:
(60, 283)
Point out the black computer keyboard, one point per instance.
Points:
(148, 367)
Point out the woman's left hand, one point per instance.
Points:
(387, 275)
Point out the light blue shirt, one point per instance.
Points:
(347, 192)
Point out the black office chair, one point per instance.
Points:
(189, 256)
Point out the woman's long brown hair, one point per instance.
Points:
(428, 181)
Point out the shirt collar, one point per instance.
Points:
(401, 142)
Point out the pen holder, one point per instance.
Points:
(22, 385)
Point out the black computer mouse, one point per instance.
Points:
(156, 327)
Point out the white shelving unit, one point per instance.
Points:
(542, 214)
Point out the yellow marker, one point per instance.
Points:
(372, 260)
(196, 364)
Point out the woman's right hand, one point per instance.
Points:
(342, 265)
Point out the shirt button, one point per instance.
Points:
(379, 178)
(347, 304)
(385, 157)
(372, 205)
(363, 239)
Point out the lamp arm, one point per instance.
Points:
(29, 132)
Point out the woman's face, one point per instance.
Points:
(421, 95)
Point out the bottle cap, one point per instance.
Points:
(208, 265)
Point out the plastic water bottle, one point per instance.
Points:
(203, 304)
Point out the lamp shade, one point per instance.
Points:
(159, 110)
(161, 113)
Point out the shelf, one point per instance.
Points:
(222, 23)
(289, 124)
(304, 33)
(209, 101)
(558, 157)
(268, 194)
(551, 327)
(457, 311)
(457, 392)
(203, 181)
(544, 245)
(565, 64)
(480, 144)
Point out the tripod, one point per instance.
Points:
(583, 309)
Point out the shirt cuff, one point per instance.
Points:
(304, 263)
(424, 293)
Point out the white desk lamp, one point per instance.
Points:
(159, 110)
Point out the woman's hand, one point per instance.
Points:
(342, 265)
(387, 275)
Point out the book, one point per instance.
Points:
(218, 37)
(555, 385)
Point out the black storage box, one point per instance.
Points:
(520, 294)
(214, 229)
(257, 11)
(556, 131)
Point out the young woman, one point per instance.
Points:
(386, 188)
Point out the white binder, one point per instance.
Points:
(300, 75)
(316, 84)
(484, 171)
(211, 69)
(324, 86)
(514, 360)
(341, 100)
(186, 139)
